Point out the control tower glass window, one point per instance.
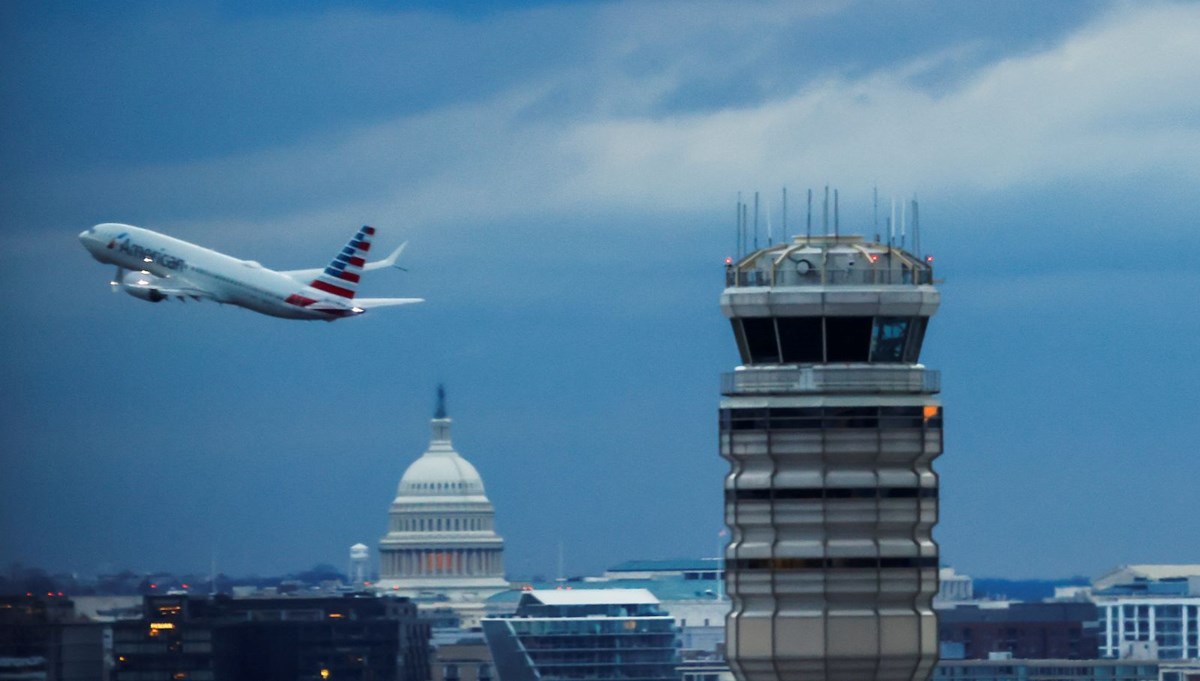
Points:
(814, 340)
(801, 340)
(888, 342)
(847, 339)
(760, 340)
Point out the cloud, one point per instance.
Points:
(1113, 99)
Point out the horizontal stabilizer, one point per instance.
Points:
(368, 303)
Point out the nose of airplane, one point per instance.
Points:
(89, 239)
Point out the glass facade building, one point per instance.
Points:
(585, 634)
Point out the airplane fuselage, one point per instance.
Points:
(194, 271)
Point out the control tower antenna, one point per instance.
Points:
(875, 204)
(916, 228)
(808, 222)
(825, 213)
(737, 233)
(892, 225)
(836, 229)
(785, 232)
(770, 232)
(756, 221)
(745, 227)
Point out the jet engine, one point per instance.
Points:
(142, 285)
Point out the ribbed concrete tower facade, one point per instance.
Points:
(830, 427)
(441, 547)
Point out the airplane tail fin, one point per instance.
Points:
(342, 275)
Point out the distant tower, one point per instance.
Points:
(360, 556)
(441, 548)
(830, 426)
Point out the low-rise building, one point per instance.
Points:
(594, 634)
(1149, 611)
(1066, 631)
(263, 639)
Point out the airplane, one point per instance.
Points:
(155, 267)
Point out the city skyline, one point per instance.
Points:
(566, 174)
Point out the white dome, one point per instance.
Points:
(440, 472)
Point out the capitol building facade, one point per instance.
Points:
(441, 548)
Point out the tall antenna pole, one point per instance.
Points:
(903, 213)
(756, 221)
(745, 227)
(825, 213)
(808, 222)
(892, 225)
(916, 229)
(836, 229)
(737, 218)
(875, 204)
(785, 232)
(767, 211)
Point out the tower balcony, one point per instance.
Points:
(827, 379)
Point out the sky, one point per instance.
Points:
(566, 175)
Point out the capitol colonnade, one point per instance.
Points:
(434, 562)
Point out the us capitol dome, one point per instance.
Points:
(441, 548)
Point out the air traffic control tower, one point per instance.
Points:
(830, 426)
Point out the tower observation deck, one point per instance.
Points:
(830, 426)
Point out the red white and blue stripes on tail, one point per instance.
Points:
(342, 275)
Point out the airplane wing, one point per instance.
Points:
(149, 287)
(305, 276)
(368, 303)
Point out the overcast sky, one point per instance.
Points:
(566, 175)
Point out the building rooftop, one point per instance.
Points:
(1127, 574)
(829, 260)
(668, 565)
(593, 597)
(673, 588)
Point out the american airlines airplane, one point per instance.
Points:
(154, 267)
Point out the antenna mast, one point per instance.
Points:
(825, 213)
(875, 206)
(916, 229)
(808, 222)
(756, 221)
(785, 232)
(836, 229)
(770, 232)
(737, 236)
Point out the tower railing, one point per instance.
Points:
(868, 275)
(862, 379)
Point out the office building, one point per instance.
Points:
(830, 425)
(1149, 611)
(1031, 631)
(594, 634)
(357, 636)
(44, 637)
